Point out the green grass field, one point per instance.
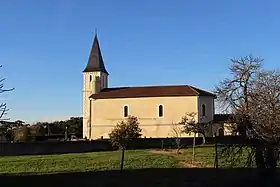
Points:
(100, 161)
(142, 168)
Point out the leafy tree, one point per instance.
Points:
(190, 125)
(46, 127)
(37, 130)
(21, 134)
(9, 134)
(19, 123)
(123, 133)
(75, 125)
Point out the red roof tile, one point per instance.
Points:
(150, 91)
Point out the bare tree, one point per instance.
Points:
(3, 106)
(252, 96)
(264, 112)
(190, 125)
(177, 131)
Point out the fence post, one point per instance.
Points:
(122, 158)
(66, 133)
(216, 164)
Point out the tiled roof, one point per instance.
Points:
(150, 91)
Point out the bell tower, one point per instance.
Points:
(95, 78)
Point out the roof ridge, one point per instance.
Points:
(143, 86)
(193, 88)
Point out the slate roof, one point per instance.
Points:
(95, 60)
(150, 91)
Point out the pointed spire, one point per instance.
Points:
(95, 61)
(96, 32)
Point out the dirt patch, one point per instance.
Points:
(194, 165)
(191, 164)
(164, 151)
(184, 161)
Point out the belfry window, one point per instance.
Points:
(160, 111)
(203, 108)
(90, 78)
(125, 111)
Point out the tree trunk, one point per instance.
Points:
(216, 163)
(122, 158)
(259, 158)
(267, 163)
(271, 158)
(66, 134)
(203, 138)
(178, 145)
(48, 125)
(193, 159)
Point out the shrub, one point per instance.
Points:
(123, 133)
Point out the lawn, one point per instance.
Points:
(142, 168)
(100, 161)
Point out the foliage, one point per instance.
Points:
(74, 124)
(191, 126)
(37, 130)
(9, 134)
(125, 131)
(21, 134)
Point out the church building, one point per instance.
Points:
(156, 107)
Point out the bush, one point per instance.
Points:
(21, 134)
(125, 131)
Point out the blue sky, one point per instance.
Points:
(45, 46)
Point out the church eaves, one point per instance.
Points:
(95, 61)
(151, 91)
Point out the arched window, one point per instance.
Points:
(203, 108)
(125, 111)
(160, 110)
(90, 78)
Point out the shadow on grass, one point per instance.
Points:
(147, 177)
